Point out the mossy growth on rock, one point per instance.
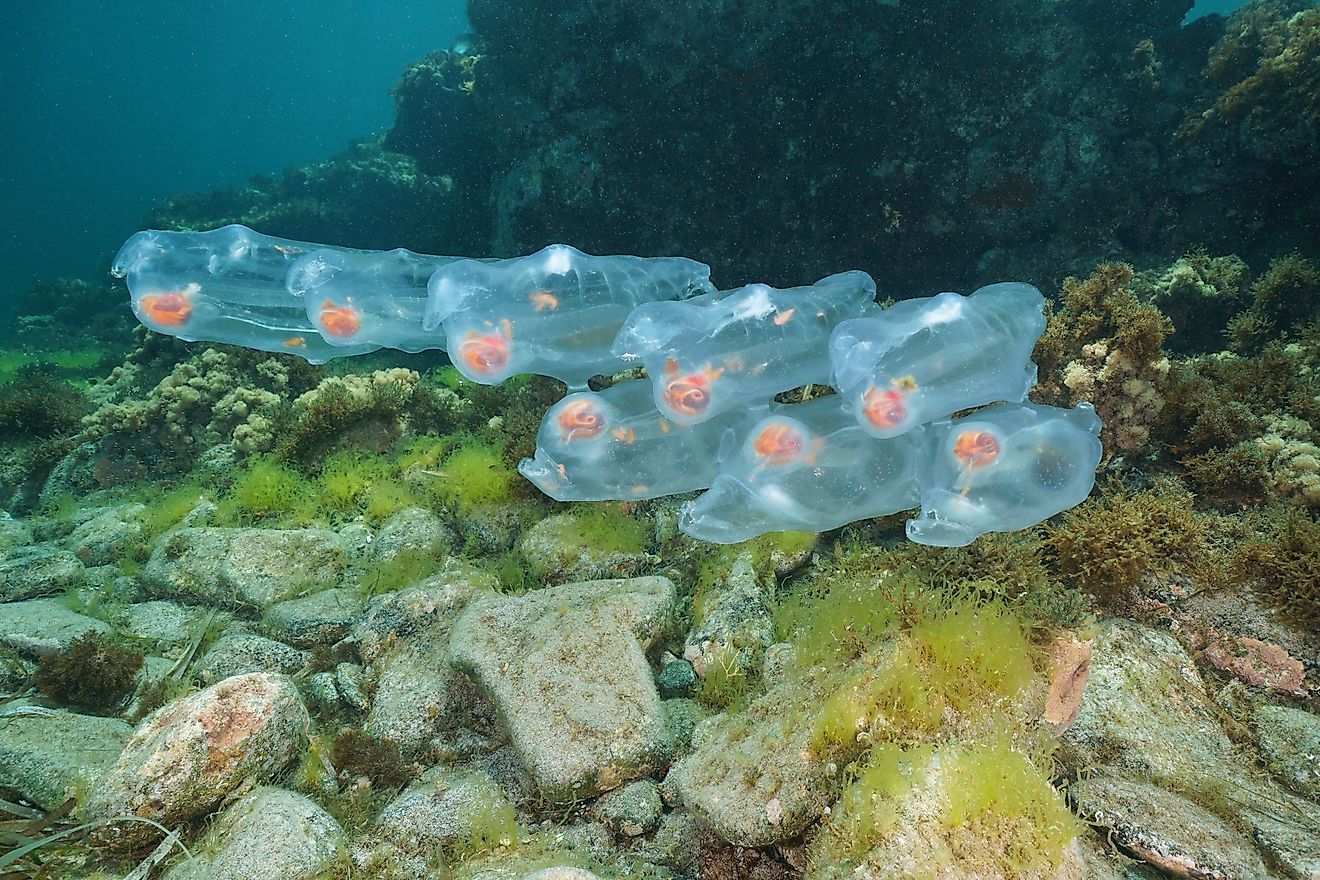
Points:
(94, 672)
(357, 753)
(1285, 298)
(34, 404)
(163, 511)
(960, 655)
(725, 685)
(474, 475)
(601, 529)
(270, 490)
(1103, 346)
(1108, 544)
(924, 697)
(1199, 293)
(1284, 567)
(990, 801)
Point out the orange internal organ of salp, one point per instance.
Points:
(884, 409)
(777, 444)
(340, 321)
(888, 408)
(172, 308)
(580, 420)
(688, 394)
(487, 353)
(975, 448)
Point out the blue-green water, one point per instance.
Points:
(110, 107)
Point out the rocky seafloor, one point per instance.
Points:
(262, 619)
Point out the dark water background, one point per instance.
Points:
(112, 106)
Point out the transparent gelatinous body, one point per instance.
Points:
(555, 312)
(807, 467)
(716, 353)
(613, 444)
(925, 359)
(224, 285)
(368, 297)
(1004, 468)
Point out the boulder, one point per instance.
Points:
(394, 615)
(319, 619)
(1164, 830)
(53, 756)
(107, 537)
(631, 810)
(244, 567)
(413, 533)
(239, 653)
(39, 627)
(429, 709)
(567, 670)
(554, 552)
(269, 834)
(182, 761)
(12, 533)
(32, 572)
(449, 812)
(163, 622)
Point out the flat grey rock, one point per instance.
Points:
(1167, 831)
(162, 622)
(238, 568)
(319, 619)
(567, 670)
(1289, 741)
(32, 572)
(39, 627)
(51, 757)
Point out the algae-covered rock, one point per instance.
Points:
(566, 668)
(632, 810)
(975, 810)
(1145, 708)
(51, 757)
(413, 532)
(564, 547)
(162, 622)
(108, 536)
(12, 533)
(393, 615)
(270, 834)
(32, 572)
(1147, 714)
(1164, 830)
(240, 653)
(734, 628)
(183, 760)
(1290, 743)
(244, 567)
(40, 627)
(676, 843)
(754, 777)
(444, 812)
(319, 619)
(420, 702)
(424, 705)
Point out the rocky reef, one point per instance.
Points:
(264, 619)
